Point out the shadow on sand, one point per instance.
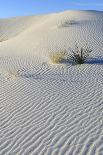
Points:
(92, 61)
(98, 61)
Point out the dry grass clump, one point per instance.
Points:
(13, 74)
(1, 40)
(57, 57)
(80, 55)
(68, 23)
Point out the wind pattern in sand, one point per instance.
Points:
(51, 109)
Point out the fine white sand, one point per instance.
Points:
(51, 109)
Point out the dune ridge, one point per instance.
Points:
(51, 109)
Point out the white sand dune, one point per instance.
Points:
(49, 109)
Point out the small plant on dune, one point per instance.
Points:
(13, 74)
(80, 55)
(57, 57)
(68, 23)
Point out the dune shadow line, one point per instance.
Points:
(98, 61)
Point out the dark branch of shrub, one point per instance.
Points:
(80, 55)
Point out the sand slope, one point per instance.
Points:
(48, 109)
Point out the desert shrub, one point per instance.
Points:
(80, 55)
(68, 23)
(58, 56)
(1, 40)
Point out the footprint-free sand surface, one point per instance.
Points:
(45, 108)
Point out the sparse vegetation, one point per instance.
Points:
(77, 56)
(80, 55)
(68, 23)
(58, 57)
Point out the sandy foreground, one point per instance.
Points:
(45, 108)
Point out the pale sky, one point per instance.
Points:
(11, 8)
